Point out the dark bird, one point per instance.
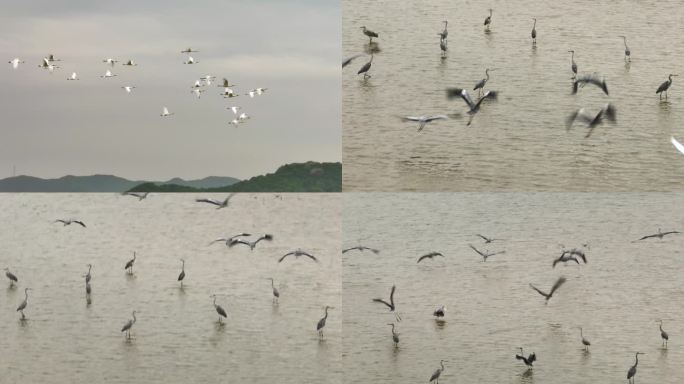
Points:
(665, 86)
(23, 304)
(225, 84)
(297, 253)
(129, 264)
(578, 252)
(127, 327)
(70, 221)
(556, 285)
(390, 305)
(88, 290)
(429, 256)
(348, 60)
(488, 20)
(251, 244)
(628, 53)
(663, 334)
(659, 235)
(534, 32)
(573, 65)
(485, 254)
(585, 342)
(480, 84)
(474, 107)
(395, 336)
(182, 274)
(443, 46)
(527, 360)
(219, 309)
(592, 121)
(276, 294)
(443, 35)
(440, 312)
(218, 204)
(188, 50)
(633, 370)
(435, 376)
(139, 195)
(564, 258)
(12, 278)
(87, 275)
(369, 33)
(321, 322)
(593, 79)
(486, 239)
(361, 248)
(366, 67)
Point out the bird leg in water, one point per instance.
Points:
(396, 316)
(22, 315)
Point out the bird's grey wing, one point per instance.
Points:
(453, 93)
(476, 250)
(561, 280)
(411, 118)
(207, 201)
(375, 251)
(483, 237)
(611, 112)
(421, 125)
(284, 256)
(383, 302)
(421, 258)
(436, 117)
(539, 291)
(310, 256)
(647, 237)
(348, 249)
(677, 144)
(469, 100)
(80, 223)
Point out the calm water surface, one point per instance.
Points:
(519, 143)
(491, 311)
(176, 338)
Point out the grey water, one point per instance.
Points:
(617, 297)
(520, 142)
(176, 338)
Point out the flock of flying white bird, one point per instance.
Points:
(199, 86)
(230, 242)
(575, 255)
(590, 120)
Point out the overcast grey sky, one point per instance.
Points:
(52, 127)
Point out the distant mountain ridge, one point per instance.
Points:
(99, 183)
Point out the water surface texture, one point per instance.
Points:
(617, 297)
(519, 143)
(176, 338)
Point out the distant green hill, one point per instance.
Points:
(296, 177)
(99, 183)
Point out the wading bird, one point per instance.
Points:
(440, 312)
(228, 93)
(129, 264)
(321, 322)
(474, 107)
(218, 204)
(488, 20)
(527, 360)
(130, 63)
(561, 280)
(127, 327)
(480, 85)
(663, 334)
(395, 336)
(256, 91)
(435, 376)
(390, 305)
(297, 253)
(88, 276)
(47, 64)
(88, 290)
(139, 195)
(251, 244)
(198, 92)
(633, 370)
(110, 61)
(366, 67)
(70, 221)
(361, 248)
(443, 46)
(578, 252)
(182, 274)
(585, 342)
(73, 76)
(191, 60)
(165, 112)
(485, 254)
(219, 309)
(429, 256)
(443, 35)
(573, 65)
(15, 62)
(424, 120)
(225, 84)
(235, 109)
(228, 240)
(592, 121)
(108, 74)
(534, 32)
(276, 294)
(23, 304)
(590, 79)
(12, 278)
(348, 60)
(659, 235)
(564, 258)
(188, 50)
(129, 88)
(486, 239)
(665, 86)
(628, 53)
(369, 33)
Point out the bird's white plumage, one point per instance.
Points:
(677, 144)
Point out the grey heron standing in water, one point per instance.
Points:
(87, 275)
(23, 304)
(321, 322)
(369, 33)
(443, 46)
(129, 264)
(628, 53)
(665, 86)
(435, 376)
(534, 32)
(663, 334)
(573, 65)
(276, 294)
(12, 278)
(585, 342)
(488, 20)
(395, 336)
(443, 35)
(480, 85)
(633, 370)
(219, 309)
(366, 67)
(182, 274)
(127, 327)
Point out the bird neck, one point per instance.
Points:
(326, 313)
(636, 359)
(134, 319)
(214, 301)
(441, 363)
(535, 24)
